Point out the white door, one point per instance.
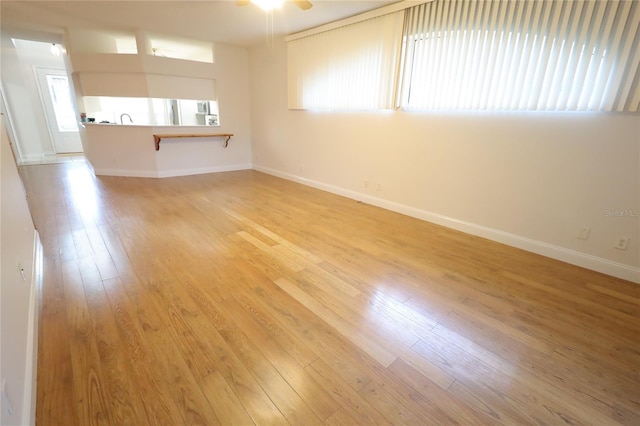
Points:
(59, 112)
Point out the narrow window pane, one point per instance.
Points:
(62, 106)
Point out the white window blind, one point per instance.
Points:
(348, 68)
(556, 55)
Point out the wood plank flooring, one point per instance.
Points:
(240, 298)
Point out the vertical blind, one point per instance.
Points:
(352, 67)
(549, 55)
(553, 55)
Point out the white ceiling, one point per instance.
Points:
(221, 21)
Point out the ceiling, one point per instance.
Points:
(219, 21)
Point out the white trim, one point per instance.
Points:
(41, 95)
(125, 173)
(204, 170)
(36, 159)
(90, 166)
(31, 364)
(605, 266)
(10, 125)
(168, 173)
(384, 10)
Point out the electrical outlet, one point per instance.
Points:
(583, 234)
(622, 243)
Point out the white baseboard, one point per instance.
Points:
(31, 365)
(126, 173)
(201, 171)
(605, 266)
(169, 173)
(32, 159)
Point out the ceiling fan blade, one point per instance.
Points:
(303, 4)
(242, 2)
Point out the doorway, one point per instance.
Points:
(55, 94)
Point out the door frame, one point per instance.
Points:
(50, 125)
(11, 127)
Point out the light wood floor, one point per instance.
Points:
(240, 298)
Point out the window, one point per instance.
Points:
(521, 55)
(351, 67)
(549, 55)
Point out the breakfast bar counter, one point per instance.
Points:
(133, 150)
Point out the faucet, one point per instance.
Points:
(122, 115)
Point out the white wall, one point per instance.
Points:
(233, 95)
(23, 99)
(531, 180)
(17, 295)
